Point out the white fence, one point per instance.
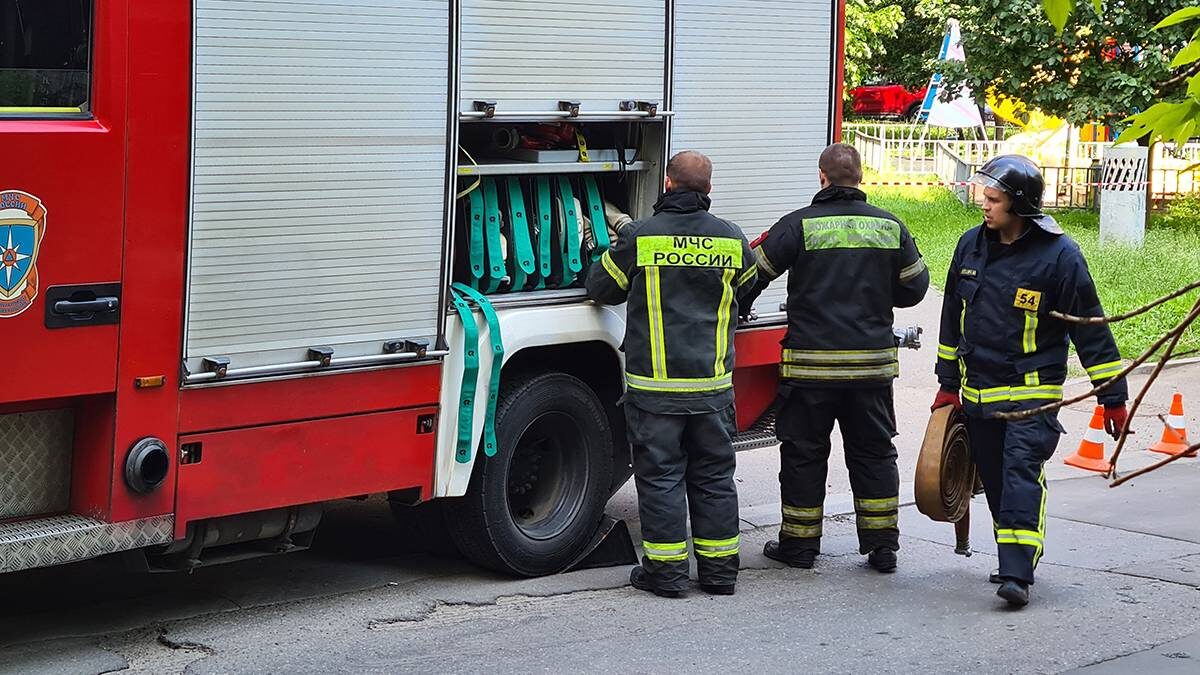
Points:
(1071, 175)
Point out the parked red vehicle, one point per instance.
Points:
(893, 101)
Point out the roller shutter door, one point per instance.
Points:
(319, 176)
(527, 55)
(752, 90)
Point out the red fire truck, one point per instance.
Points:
(257, 255)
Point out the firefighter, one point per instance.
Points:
(999, 347)
(681, 273)
(849, 264)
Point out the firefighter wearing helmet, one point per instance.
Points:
(999, 347)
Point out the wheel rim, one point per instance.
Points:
(547, 476)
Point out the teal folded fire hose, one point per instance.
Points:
(495, 244)
(544, 202)
(475, 215)
(572, 265)
(521, 253)
(595, 209)
(459, 296)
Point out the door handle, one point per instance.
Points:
(79, 307)
(85, 305)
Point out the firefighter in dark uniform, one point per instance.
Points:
(999, 347)
(681, 273)
(849, 264)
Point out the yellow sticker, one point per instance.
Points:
(1027, 299)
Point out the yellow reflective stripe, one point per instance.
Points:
(717, 548)
(885, 504)
(35, 110)
(1041, 514)
(614, 271)
(764, 263)
(877, 522)
(658, 354)
(1105, 370)
(801, 531)
(723, 322)
(962, 319)
(803, 512)
(839, 373)
(670, 552)
(747, 276)
(717, 542)
(1029, 340)
(1033, 379)
(999, 394)
(912, 270)
(947, 352)
(689, 251)
(679, 384)
(821, 357)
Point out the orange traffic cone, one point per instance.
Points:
(1174, 437)
(1090, 455)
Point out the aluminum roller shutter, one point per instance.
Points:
(527, 55)
(752, 91)
(318, 176)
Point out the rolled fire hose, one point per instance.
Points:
(945, 480)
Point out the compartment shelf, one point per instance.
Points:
(509, 168)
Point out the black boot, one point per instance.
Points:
(883, 560)
(1015, 592)
(995, 578)
(803, 559)
(642, 581)
(717, 589)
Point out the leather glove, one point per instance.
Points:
(1114, 419)
(946, 398)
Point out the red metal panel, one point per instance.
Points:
(754, 390)
(287, 464)
(247, 404)
(75, 168)
(155, 231)
(756, 372)
(758, 347)
(91, 466)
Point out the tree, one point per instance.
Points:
(1104, 65)
(867, 24)
(907, 56)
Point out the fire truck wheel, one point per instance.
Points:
(532, 508)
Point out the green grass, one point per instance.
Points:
(1126, 278)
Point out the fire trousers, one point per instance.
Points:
(684, 463)
(867, 421)
(1010, 457)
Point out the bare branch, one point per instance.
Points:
(1155, 466)
(1173, 336)
(1128, 315)
(1137, 401)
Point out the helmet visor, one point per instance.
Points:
(987, 181)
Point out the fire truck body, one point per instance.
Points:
(234, 225)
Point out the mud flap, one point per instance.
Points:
(611, 546)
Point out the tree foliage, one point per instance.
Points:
(906, 55)
(1104, 64)
(868, 24)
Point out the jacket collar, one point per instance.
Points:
(683, 201)
(839, 193)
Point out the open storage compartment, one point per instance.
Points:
(538, 203)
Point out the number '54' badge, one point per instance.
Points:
(1027, 299)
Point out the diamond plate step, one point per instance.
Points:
(42, 542)
(761, 434)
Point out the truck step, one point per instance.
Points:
(54, 540)
(761, 434)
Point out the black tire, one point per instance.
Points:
(533, 508)
(913, 114)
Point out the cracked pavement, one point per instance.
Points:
(1118, 591)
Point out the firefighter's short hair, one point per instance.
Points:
(691, 170)
(842, 165)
